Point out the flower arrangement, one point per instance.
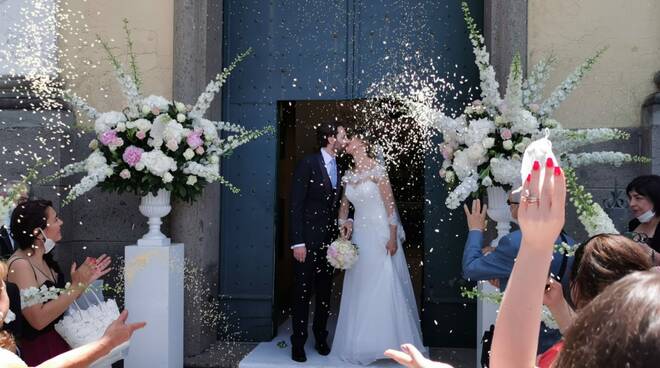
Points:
(155, 143)
(496, 297)
(342, 254)
(483, 146)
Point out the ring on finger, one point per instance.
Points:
(531, 199)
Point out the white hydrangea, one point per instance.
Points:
(505, 171)
(142, 125)
(158, 102)
(209, 128)
(478, 130)
(108, 120)
(157, 162)
(462, 165)
(524, 123)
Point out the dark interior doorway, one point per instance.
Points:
(296, 138)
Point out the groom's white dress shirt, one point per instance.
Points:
(330, 163)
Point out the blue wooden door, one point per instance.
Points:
(328, 50)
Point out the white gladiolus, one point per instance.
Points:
(462, 191)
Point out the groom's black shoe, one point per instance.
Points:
(322, 347)
(298, 354)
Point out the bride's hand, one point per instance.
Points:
(391, 247)
(346, 230)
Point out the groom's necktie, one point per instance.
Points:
(332, 171)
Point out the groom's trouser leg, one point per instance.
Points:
(323, 293)
(303, 282)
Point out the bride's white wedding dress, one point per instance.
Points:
(378, 309)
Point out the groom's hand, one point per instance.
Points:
(300, 253)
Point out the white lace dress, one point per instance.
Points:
(378, 309)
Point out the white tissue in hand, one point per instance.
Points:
(539, 150)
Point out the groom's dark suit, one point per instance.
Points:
(314, 209)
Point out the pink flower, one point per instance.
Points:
(132, 155)
(332, 251)
(125, 174)
(199, 150)
(141, 135)
(534, 107)
(194, 139)
(447, 152)
(172, 145)
(155, 111)
(476, 103)
(108, 137)
(505, 133)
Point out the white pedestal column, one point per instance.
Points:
(154, 293)
(486, 315)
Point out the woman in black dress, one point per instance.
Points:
(35, 227)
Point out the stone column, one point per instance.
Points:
(651, 127)
(197, 59)
(505, 30)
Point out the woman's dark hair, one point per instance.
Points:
(649, 187)
(603, 260)
(366, 136)
(26, 217)
(619, 328)
(324, 132)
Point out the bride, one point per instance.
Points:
(378, 309)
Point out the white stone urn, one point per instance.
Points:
(498, 211)
(154, 208)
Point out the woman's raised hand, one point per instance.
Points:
(91, 270)
(543, 205)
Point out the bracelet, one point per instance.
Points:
(341, 222)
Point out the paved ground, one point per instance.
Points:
(229, 354)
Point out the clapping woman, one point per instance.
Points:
(36, 229)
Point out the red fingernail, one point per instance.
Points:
(549, 163)
(557, 171)
(536, 166)
(529, 178)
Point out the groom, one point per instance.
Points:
(315, 195)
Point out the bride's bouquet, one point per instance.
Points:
(342, 254)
